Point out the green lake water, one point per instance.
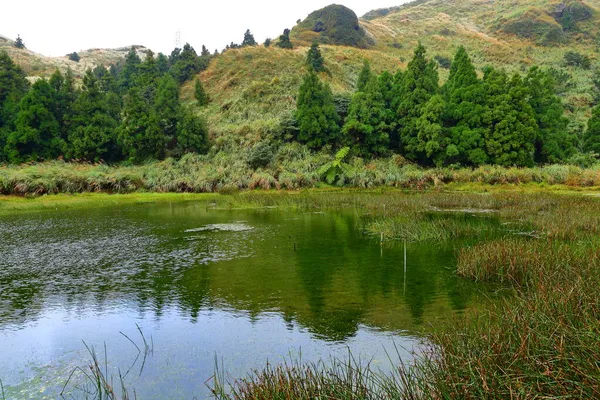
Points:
(242, 286)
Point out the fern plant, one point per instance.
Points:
(337, 168)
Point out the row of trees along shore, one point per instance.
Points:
(130, 111)
(502, 119)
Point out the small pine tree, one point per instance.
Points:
(249, 39)
(19, 43)
(74, 56)
(315, 59)
(204, 52)
(268, 42)
(364, 77)
(318, 121)
(200, 94)
(284, 40)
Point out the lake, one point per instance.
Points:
(208, 286)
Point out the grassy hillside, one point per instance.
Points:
(253, 89)
(35, 64)
(513, 34)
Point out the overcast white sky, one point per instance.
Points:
(58, 27)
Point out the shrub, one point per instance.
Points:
(575, 59)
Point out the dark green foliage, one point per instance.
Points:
(130, 70)
(314, 59)
(337, 25)
(318, 122)
(186, 64)
(513, 127)
(596, 86)
(419, 84)
(204, 52)
(465, 115)
(342, 104)
(267, 42)
(200, 94)
(444, 62)
(575, 59)
(13, 86)
(167, 109)
(284, 40)
(96, 118)
(74, 56)
(592, 135)
(366, 128)
(192, 135)
(19, 43)
(261, 155)
(553, 142)
(162, 64)
(530, 27)
(37, 132)
(248, 39)
(364, 77)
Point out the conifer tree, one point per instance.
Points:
(314, 59)
(318, 122)
(248, 39)
(364, 77)
(420, 82)
(204, 52)
(186, 64)
(553, 143)
(512, 131)
(130, 71)
(192, 134)
(465, 114)
(37, 132)
(200, 94)
(366, 127)
(168, 109)
(95, 122)
(19, 43)
(284, 40)
(13, 86)
(592, 135)
(162, 64)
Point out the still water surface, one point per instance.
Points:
(244, 286)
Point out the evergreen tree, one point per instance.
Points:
(186, 64)
(19, 43)
(37, 132)
(162, 64)
(284, 40)
(96, 119)
(167, 109)
(364, 77)
(192, 134)
(13, 86)
(200, 94)
(65, 97)
(248, 39)
(74, 56)
(420, 82)
(465, 114)
(204, 52)
(366, 126)
(314, 59)
(140, 136)
(318, 121)
(592, 135)
(512, 131)
(130, 71)
(553, 142)
(430, 134)
(267, 42)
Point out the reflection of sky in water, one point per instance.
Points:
(246, 286)
(184, 352)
